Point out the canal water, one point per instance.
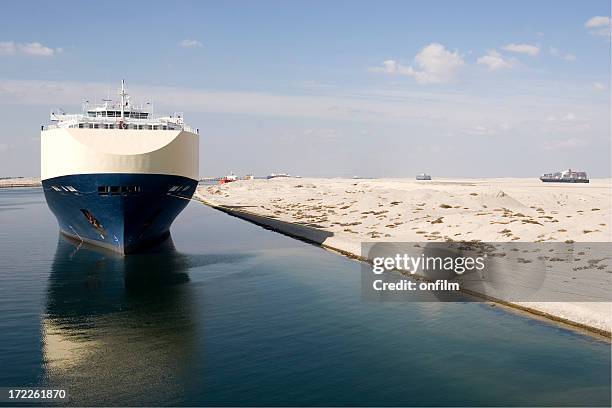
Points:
(228, 313)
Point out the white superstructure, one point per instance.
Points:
(119, 115)
(118, 138)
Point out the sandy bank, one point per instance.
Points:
(20, 182)
(341, 213)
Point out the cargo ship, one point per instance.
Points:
(567, 176)
(115, 176)
(423, 176)
(280, 175)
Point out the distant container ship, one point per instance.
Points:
(567, 176)
(115, 176)
(277, 175)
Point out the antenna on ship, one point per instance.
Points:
(122, 94)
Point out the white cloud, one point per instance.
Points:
(598, 86)
(494, 60)
(490, 129)
(598, 21)
(599, 25)
(187, 43)
(569, 57)
(325, 133)
(392, 67)
(32, 48)
(565, 56)
(7, 48)
(529, 49)
(429, 109)
(570, 143)
(36, 48)
(569, 116)
(435, 64)
(479, 130)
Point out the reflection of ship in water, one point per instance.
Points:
(119, 330)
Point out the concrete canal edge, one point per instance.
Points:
(352, 249)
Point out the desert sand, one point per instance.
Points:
(341, 213)
(20, 182)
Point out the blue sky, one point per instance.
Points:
(320, 88)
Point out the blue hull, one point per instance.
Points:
(122, 212)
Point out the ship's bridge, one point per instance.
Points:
(104, 112)
(120, 115)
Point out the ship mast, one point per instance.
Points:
(122, 93)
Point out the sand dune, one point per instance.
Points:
(493, 210)
(342, 213)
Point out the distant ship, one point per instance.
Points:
(115, 176)
(249, 177)
(567, 176)
(280, 175)
(228, 179)
(423, 176)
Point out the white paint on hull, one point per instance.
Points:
(96, 151)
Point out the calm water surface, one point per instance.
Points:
(227, 313)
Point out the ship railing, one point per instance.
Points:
(75, 124)
(187, 128)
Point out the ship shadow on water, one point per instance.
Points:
(122, 329)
